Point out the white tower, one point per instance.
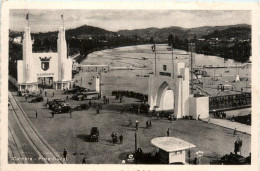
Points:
(62, 54)
(64, 64)
(27, 56)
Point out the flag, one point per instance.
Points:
(153, 47)
(27, 16)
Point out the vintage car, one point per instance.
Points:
(37, 99)
(62, 109)
(233, 159)
(81, 107)
(94, 134)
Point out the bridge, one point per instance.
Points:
(230, 102)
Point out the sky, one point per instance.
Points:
(114, 20)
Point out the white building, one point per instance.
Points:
(169, 88)
(36, 68)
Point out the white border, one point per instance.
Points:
(127, 5)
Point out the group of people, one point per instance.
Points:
(115, 138)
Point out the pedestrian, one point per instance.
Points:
(26, 98)
(150, 123)
(36, 114)
(158, 116)
(121, 139)
(67, 97)
(136, 124)
(129, 123)
(84, 160)
(65, 154)
(235, 132)
(98, 111)
(89, 103)
(115, 138)
(70, 114)
(147, 124)
(53, 94)
(45, 94)
(168, 132)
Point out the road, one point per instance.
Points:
(38, 143)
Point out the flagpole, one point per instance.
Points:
(172, 64)
(155, 57)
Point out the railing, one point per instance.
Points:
(229, 102)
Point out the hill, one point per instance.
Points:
(242, 31)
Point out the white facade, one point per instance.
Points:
(44, 65)
(175, 76)
(199, 107)
(170, 76)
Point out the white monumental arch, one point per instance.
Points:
(175, 76)
(170, 76)
(56, 68)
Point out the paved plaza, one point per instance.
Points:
(63, 132)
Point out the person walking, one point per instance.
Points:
(116, 138)
(147, 124)
(25, 97)
(36, 114)
(52, 115)
(53, 94)
(168, 132)
(136, 124)
(235, 132)
(65, 154)
(150, 123)
(84, 160)
(45, 94)
(121, 139)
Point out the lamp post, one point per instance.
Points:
(100, 84)
(135, 147)
(199, 156)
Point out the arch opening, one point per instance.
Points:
(165, 97)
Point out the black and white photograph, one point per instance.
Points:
(130, 87)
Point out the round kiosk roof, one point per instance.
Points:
(171, 144)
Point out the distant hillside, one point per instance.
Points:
(82, 31)
(236, 32)
(240, 31)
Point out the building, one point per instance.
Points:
(48, 70)
(171, 150)
(169, 85)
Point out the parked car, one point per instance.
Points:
(37, 99)
(54, 103)
(85, 96)
(62, 109)
(94, 134)
(231, 159)
(81, 107)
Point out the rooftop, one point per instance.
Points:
(170, 144)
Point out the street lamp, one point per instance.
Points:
(199, 156)
(135, 146)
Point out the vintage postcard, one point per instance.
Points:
(129, 86)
